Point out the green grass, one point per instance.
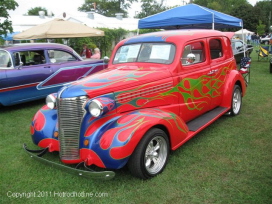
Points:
(228, 162)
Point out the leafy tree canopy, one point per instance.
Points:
(263, 12)
(151, 7)
(247, 14)
(224, 6)
(35, 11)
(107, 7)
(6, 24)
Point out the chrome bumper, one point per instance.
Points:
(89, 173)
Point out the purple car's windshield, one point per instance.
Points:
(162, 53)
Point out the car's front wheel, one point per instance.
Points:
(236, 101)
(151, 155)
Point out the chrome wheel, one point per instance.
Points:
(155, 155)
(151, 154)
(236, 100)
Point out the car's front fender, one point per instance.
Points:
(44, 129)
(114, 138)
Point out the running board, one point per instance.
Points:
(208, 117)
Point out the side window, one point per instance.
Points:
(193, 53)
(28, 58)
(215, 48)
(58, 56)
(239, 46)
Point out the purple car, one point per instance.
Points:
(31, 71)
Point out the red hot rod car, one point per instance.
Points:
(159, 90)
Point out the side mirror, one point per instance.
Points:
(190, 58)
(20, 66)
(106, 60)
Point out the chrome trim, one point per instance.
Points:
(70, 114)
(100, 107)
(143, 92)
(84, 173)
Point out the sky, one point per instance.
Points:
(70, 6)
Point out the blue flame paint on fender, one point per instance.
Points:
(43, 126)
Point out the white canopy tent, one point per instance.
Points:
(242, 33)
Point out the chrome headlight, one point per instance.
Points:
(51, 101)
(96, 108)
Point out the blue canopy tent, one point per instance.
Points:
(9, 36)
(190, 16)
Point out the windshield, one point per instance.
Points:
(5, 60)
(162, 53)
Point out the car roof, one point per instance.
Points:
(23, 46)
(174, 35)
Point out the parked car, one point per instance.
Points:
(31, 71)
(265, 40)
(240, 49)
(159, 91)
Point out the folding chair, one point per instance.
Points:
(263, 52)
(245, 68)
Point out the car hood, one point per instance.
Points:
(114, 79)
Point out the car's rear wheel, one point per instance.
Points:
(151, 155)
(236, 101)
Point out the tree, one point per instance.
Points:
(6, 24)
(224, 6)
(151, 7)
(35, 11)
(247, 14)
(263, 10)
(107, 7)
(260, 28)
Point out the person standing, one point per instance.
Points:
(248, 38)
(96, 54)
(86, 52)
(257, 40)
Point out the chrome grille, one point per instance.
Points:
(70, 113)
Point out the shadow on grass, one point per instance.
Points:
(38, 103)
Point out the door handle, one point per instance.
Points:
(47, 67)
(215, 70)
(212, 72)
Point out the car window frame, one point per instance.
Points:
(10, 57)
(73, 53)
(172, 53)
(204, 55)
(221, 54)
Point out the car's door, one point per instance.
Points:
(221, 61)
(66, 67)
(195, 79)
(30, 68)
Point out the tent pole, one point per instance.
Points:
(243, 38)
(213, 21)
